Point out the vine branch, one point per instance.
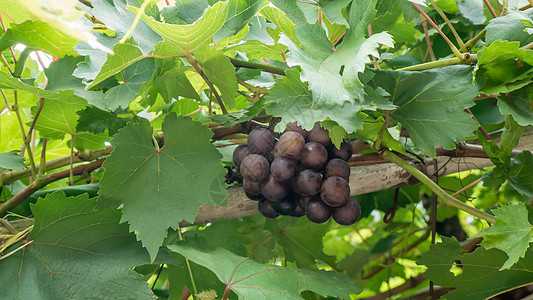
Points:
(196, 66)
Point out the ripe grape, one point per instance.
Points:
(274, 190)
(254, 167)
(261, 141)
(239, 154)
(252, 187)
(266, 208)
(298, 212)
(290, 145)
(317, 211)
(344, 152)
(285, 206)
(348, 213)
(293, 126)
(283, 169)
(335, 191)
(254, 197)
(308, 182)
(338, 167)
(319, 135)
(314, 156)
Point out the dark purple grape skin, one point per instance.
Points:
(305, 199)
(255, 167)
(239, 154)
(298, 212)
(308, 182)
(293, 126)
(261, 141)
(338, 167)
(317, 211)
(274, 190)
(283, 169)
(314, 156)
(254, 197)
(335, 191)
(285, 206)
(290, 145)
(319, 135)
(344, 152)
(348, 213)
(252, 187)
(266, 208)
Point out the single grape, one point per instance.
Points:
(319, 135)
(293, 126)
(239, 154)
(348, 213)
(317, 211)
(308, 182)
(252, 187)
(254, 167)
(254, 197)
(266, 208)
(261, 141)
(305, 199)
(344, 152)
(290, 145)
(283, 169)
(298, 212)
(335, 190)
(285, 206)
(274, 190)
(338, 167)
(314, 156)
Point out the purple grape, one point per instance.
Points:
(261, 141)
(252, 187)
(254, 167)
(266, 208)
(239, 154)
(290, 145)
(338, 167)
(317, 211)
(308, 182)
(335, 190)
(319, 135)
(298, 212)
(274, 190)
(344, 153)
(285, 206)
(314, 156)
(283, 169)
(293, 126)
(348, 213)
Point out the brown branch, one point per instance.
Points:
(492, 12)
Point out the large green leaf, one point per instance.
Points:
(96, 120)
(321, 61)
(252, 280)
(11, 160)
(182, 40)
(510, 27)
(160, 188)
(521, 173)
(480, 270)
(431, 104)
(511, 233)
(519, 105)
(239, 13)
(220, 71)
(94, 59)
(76, 252)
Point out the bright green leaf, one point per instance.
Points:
(239, 13)
(13, 13)
(12, 161)
(94, 59)
(511, 135)
(220, 71)
(161, 188)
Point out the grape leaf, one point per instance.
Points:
(76, 252)
(159, 188)
(278, 17)
(431, 104)
(94, 59)
(12, 161)
(472, 10)
(511, 135)
(38, 35)
(511, 233)
(181, 40)
(220, 71)
(256, 49)
(521, 173)
(13, 12)
(290, 99)
(252, 280)
(480, 270)
(89, 141)
(519, 105)
(115, 15)
(239, 14)
(95, 120)
(509, 27)
(321, 61)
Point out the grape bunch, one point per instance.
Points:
(302, 173)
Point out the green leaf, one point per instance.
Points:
(431, 104)
(521, 173)
(511, 135)
(95, 120)
(322, 62)
(333, 10)
(336, 132)
(13, 13)
(220, 71)
(124, 55)
(519, 105)
(76, 252)
(511, 233)
(252, 280)
(258, 50)
(170, 81)
(239, 14)
(372, 130)
(38, 35)
(290, 99)
(510, 27)
(481, 264)
(89, 141)
(161, 188)
(472, 10)
(94, 59)
(12, 160)
(117, 17)
(283, 23)
(181, 40)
